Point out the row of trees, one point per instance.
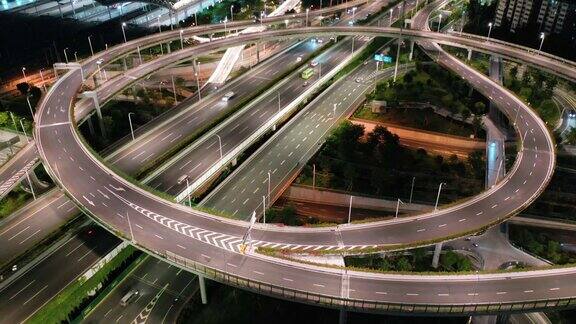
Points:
(541, 244)
(376, 163)
(417, 260)
(433, 84)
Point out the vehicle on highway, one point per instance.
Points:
(358, 80)
(313, 63)
(299, 59)
(228, 96)
(128, 298)
(307, 74)
(305, 84)
(182, 178)
(572, 114)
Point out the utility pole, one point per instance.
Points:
(399, 42)
(438, 196)
(130, 122)
(350, 210)
(412, 189)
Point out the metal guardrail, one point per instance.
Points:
(360, 304)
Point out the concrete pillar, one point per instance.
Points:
(343, 317)
(202, 284)
(124, 64)
(411, 50)
(95, 78)
(99, 114)
(469, 54)
(436, 257)
(169, 50)
(258, 52)
(90, 125)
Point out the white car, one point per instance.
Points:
(313, 63)
(228, 96)
(299, 59)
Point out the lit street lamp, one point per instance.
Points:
(542, 36)
(231, 13)
(123, 31)
(438, 196)
(66, 55)
(42, 78)
(391, 12)
(24, 73)
(353, 13)
(489, 30)
(130, 121)
(181, 40)
(307, 10)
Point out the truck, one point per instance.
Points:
(307, 74)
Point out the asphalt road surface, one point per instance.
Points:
(172, 233)
(32, 290)
(151, 278)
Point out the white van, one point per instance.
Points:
(182, 179)
(128, 297)
(228, 96)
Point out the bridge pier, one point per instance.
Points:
(90, 125)
(469, 54)
(436, 257)
(343, 317)
(202, 284)
(257, 52)
(411, 50)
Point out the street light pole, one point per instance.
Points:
(350, 210)
(307, 10)
(195, 19)
(412, 189)
(231, 13)
(220, 144)
(181, 39)
(43, 82)
(75, 56)
(24, 130)
(66, 55)
(489, 30)
(24, 74)
(30, 106)
(264, 208)
(313, 176)
(439, 21)
(391, 11)
(90, 43)
(269, 180)
(189, 198)
(130, 121)
(31, 186)
(398, 207)
(123, 31)
(542, 36)
(438, 196)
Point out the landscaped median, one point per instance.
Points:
(72, 300)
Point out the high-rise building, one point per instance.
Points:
(550, 16)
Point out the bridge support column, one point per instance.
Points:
(469, 54)
(436, 257)
(202, 284)
(98, 113)
(343, 317)
(90, 125)
(257, 52)
(411, 51)
(169, 49)
(124, 64)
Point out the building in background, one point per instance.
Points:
(547, 16)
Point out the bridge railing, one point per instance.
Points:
(359, 304)
(516, 46)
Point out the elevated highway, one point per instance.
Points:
(208, 245)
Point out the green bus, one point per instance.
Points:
(307, 74)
